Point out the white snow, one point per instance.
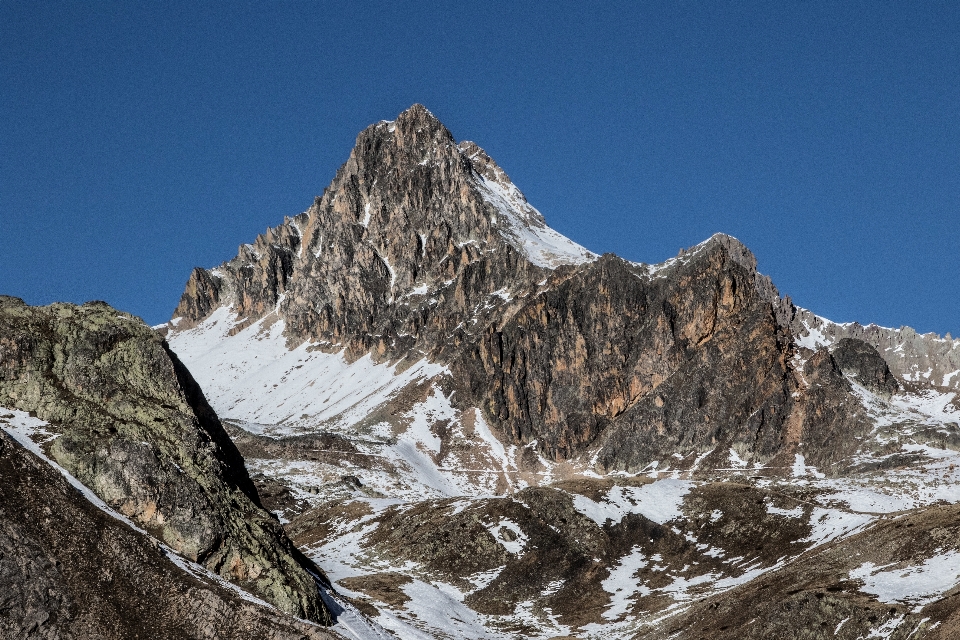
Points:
(439, 608)
(255, 381)
(622, 586)
(796, 512)
(526, 231)
(801, 469)
(736, 461)
(659, 501)
(815, 338)
(253, 378)
(350, 623)
(913, 585)
(828, 525)
(519, 541)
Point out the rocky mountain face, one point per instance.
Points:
(68, 570)
(422, 247)
(478, 429)
(129, 422)
(482, 430)
(927, 359)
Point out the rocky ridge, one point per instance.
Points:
(928, 359)
(70, 570)
(423, 248)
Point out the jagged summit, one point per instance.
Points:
(659, 433)
(407, 206)
(424, 248)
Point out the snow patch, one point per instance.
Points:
(916, 585)
(525, 228)
(515, 541)
(659, 501)
(622, 586)
(253, 378)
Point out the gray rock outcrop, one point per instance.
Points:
(134, 427)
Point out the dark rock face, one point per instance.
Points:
(421, 247)
(863, 362)
(135, 428)
(68, 570)
(656, 364)
(399, 249)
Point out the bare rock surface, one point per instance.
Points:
(482, 430)
(134, 427)
(70, 570)
(422, 247)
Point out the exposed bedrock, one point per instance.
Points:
(135, 428)
(423, 247)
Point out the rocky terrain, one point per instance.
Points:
(71, 569)
(127, 420)
(475, 428)
(480, 429)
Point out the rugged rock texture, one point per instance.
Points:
(427, 380)
(69, 570)
(401, 247)
(135, 428)
(862, 362)
(819, 598)
(687, 360)
(926, 358)
(422, 246)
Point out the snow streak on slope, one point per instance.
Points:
(254, 381)
(424, 447)
(31, 432)
(916, 585)
(525, 228)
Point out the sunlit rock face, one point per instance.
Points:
(133, 426)
(423, 248)
(480, 429)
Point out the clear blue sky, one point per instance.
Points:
(140, 139)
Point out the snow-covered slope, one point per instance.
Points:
(436, 452)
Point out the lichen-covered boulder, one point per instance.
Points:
(135, 428)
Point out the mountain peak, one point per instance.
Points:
(417, 113)
(413, 127)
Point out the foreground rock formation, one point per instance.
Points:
(130, 423)
(69, 570)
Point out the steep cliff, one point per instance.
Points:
(481, 429)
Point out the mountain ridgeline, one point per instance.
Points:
(422, 248)
(415, 410)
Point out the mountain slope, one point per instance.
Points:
(480, 429)
(422, 248)
(69, 569)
